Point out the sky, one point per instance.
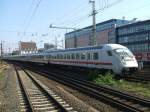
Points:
(29, 20)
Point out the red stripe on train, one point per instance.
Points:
(84, 62)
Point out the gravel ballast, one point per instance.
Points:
(8, 93)
(76, 99)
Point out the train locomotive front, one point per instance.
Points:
(125, 62)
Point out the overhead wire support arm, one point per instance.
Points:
(51, 26)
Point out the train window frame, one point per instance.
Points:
(55, 57)
(109, 53)
(83, 54)
(68, 56)
(61, 56)
(49, 56)
(77, 56)
(52, 57)
(88, 56)
(72, 56)
(65, 56)
(95, 57)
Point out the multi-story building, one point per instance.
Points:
(136, 37)
(27, 47)
(105, 33)
(48, 46)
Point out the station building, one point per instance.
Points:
(105, 33)
(27, 47)
(136, 37)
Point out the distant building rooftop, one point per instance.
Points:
(27, 47)
(99, 27)
(135, 23)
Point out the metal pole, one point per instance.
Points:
(55, 42)
(94, 23)
(75, 39)
(1, 52)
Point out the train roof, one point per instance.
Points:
(103, 47)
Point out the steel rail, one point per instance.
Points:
(90, 91)
(27, 100)
(44, 91)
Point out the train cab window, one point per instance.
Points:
(109, 53)
(88, 56)
(83, 56)
(77, 56)
(95, 56)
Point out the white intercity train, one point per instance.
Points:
(114, 57)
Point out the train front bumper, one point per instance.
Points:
(129, 70)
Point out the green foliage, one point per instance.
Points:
(92, 75)
(105, 79)
(109, 80)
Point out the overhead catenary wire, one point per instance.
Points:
(29, 11)
(74, 15)
(71, 12)
(136, 9)
(33, 14)
(109, 5)
(31, 17)
(105, 5)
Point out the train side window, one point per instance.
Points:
(72, 56)
(77, 56)
(68, 56)
(83, 56)
(65, 56)
(55, 57)
(50, 57)
(95, 56)
(88, 56)
(109, 53)
(61, 56)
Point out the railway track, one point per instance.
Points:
(3, 67)
(36, 97)
(142, 77)
(137, 78)
(117, 99)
